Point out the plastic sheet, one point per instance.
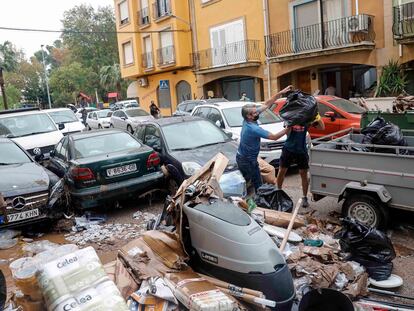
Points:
(268, 196)
(300, 109)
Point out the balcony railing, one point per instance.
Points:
(161, 8)
(338, 33)
(166, 55)
(403, 27)
(143, 17)
(229, 54)
(147, 60)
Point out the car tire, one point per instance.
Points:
(129, 129)
(366, 209)
(172, 186)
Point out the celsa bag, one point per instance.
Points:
(300, 109)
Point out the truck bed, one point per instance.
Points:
(332, 168)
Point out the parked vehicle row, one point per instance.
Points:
(99, 119)
(128, 119)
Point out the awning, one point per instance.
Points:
(132, 91)
(113, 95)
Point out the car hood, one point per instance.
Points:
(205, 154)
(272, 128)
(39, 140)
(141, 119)
(24, 176)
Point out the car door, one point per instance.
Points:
(123, 123)
(332, 125)
(115, 119)
(90, 120)
(58, 162)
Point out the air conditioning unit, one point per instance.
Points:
(359, 23)
(143, 82)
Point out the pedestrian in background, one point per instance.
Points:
(251, 134)
(244, 97)
(154, 110)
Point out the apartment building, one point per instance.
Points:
(155, 47)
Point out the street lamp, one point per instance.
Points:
(46, 79)
(3, 91)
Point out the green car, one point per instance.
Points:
(102, 167)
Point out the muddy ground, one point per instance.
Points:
(121, 227)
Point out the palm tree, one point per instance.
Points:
(110, 77)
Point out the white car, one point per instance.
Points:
(67, 117)
(88, 109)
(99, 119)
(128, 119)
(32, 129)
(227, 115)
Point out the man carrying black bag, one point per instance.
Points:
(295, 152)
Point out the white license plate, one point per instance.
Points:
(23, 215)
(121, 170)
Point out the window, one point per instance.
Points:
(322, 108)
(190, 107)
(152, 137)
(123, 12)
(64, 151)
(148, 52)
(215, 117)
(128, 53)
(58, 147)
(167, 47)
(163, 8)
(144, 13)
(139, 133)
(202, 112)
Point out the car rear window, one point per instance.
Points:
(235, 119)
(347, 105)
(136, 113)
(104, 144)
(63, 116)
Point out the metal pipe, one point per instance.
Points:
(388, 293)
(266, 33)
(356, 7)
(46, 79)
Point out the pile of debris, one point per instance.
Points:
(403, 103)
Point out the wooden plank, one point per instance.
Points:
(280, 219)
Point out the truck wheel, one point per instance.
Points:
(365, 209)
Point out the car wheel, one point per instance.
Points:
(129, 129)
(99, 126)
(366, 210)
(172, 186)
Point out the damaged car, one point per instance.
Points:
(30, 192)
(185, 144)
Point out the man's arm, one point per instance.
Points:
(272, 100)
(277, 136)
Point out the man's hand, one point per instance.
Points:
(286, 89)
(271, 100)
(279, 135)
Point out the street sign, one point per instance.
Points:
(164, 84)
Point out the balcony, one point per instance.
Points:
(403, 27)
(166, 56)
(161, 9)
(331, 37)
(242, 52)
(147, 61)
(143, 17)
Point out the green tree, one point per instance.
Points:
(110, 78)
(10, 56)
(67, 81)
(13, 96)
(96, 49)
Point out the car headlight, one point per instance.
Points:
(57, 189)
(190, 168)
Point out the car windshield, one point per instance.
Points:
(347, 105)
(104, 144)
(26, 125)
(136, 113)
(194, 134)
(63, 116)
(104, 113)
(10, 153)
(235, 119)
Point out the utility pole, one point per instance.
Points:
(3, 91)
(46, 79)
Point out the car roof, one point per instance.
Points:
(233, 104)
(172, 120)
(80, 135)
(21, 113)
(57, 109)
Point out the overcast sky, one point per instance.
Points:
(43, 14)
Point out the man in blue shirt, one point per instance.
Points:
(295, 151)
(250, 139)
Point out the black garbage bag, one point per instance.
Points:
(300, 109)
(268, 196)
(365, 242)
(376, 270)
(374, 126)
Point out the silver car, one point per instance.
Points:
(128, 119)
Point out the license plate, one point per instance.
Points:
(121, 170)
(23, 215)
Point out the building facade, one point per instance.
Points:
(155, 47)
(174, 50)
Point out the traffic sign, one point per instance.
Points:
(164, 84)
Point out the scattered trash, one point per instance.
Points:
(368, 246)
(38, 247)
(8, 238)
(6, 244)
(143, 216)
(300, 109)
(268, 196)
(86, 221)
(280, 233)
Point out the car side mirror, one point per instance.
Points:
(39, 157)
(330, 114)
(229, 134)
(124, 118)
(61, 126)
